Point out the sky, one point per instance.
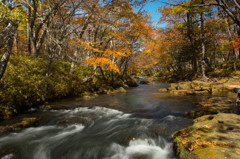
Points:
(152, 7)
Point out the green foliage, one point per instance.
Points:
(226, 45)
(23, 83)
(225, 69)
(176, 75)
(16, 14)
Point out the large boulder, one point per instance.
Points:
(211, 136)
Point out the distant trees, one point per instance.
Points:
(100, 33)
(200, 34)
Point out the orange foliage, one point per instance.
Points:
(101, 61)
(236, 43)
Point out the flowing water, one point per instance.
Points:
(138, 124)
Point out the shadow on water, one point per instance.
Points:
(138, 124)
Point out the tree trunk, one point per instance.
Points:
(29, 30)
(11, 29)
(47, 72)
(93, 71)
(101, 70)
(238, 32)
(16, 42)
(204, 78)
(73, 62)
(191, 39)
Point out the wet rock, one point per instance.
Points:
(132, 83)
(215, 136)
(212, 105)
(8, 153)
(26, 122)
(73, 120)
(201, 88)
(144, 82)
(119, 90)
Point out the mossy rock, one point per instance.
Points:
(212, 105)
(214, 136)
(29, 121)
(185, 85)
(26, 122)
(183, 92)
(119, 90)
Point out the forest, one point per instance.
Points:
(95, 79)
(52, 48)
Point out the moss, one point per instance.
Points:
(29, 121)
(215, 136)
(180, 149)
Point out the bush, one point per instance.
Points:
(22, 85)
(225, 69)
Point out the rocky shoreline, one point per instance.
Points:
(215, 130)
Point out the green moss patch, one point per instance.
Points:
(215, 136)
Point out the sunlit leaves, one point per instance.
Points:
(101, 61)
(16, 14)
(236, 43)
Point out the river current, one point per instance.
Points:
(138, 124)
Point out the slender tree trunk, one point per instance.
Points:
(204, 78)
(11, 28)
(238, 30)
(191, 39)
(73, 61)
(93, 71)
(101, 70)
(126, 66)
(35, 54)
(29, 30)
(16, 42)
(47, 72)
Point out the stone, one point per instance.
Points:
(215, 136)
(144, 82)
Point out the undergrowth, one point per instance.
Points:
(22, 85)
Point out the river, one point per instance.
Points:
(138, 124)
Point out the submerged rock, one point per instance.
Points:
(72, 120)
(212, 105)
(26, 122)
(214, 136)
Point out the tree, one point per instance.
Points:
(11, 16)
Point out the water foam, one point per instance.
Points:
(9, 156)
(146, 148)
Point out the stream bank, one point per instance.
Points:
(136, 124)
(216, 125)
(23, 84)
